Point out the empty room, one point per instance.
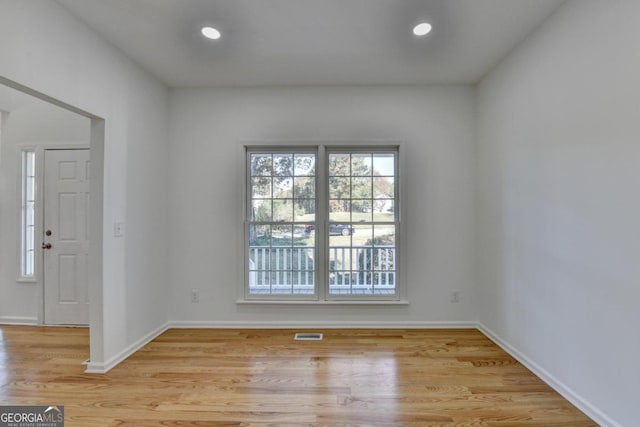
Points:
(319, 212)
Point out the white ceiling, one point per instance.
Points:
(314, 42)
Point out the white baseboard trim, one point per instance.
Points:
(186, 324)
(578, 401)
(103, 368)
(18, 320)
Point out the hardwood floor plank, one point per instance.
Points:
(200, 378)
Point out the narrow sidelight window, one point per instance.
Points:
(27, 229)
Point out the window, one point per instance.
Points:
(282, 206)
(362, 226)
(28, 221)
(322, 223)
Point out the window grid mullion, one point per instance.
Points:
(322, 217)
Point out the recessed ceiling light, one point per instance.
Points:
(210, 33)
(422, 29)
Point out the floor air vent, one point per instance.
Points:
(308, 337)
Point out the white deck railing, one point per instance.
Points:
(353, 270)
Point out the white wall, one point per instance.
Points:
(36, 124)
(559, 212)
(208, 127)
(557, 231)
(46, 49)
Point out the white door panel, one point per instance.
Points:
(66, 209)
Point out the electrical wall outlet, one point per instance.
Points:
(455, 296)
(195, 296)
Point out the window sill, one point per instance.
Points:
(27, 280)
(317, 302)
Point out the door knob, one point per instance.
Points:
(46, 246)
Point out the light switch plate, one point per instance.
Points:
(118, 229)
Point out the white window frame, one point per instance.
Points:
(322, 295)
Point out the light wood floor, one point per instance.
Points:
(203, 378)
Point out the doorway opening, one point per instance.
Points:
(67, 150)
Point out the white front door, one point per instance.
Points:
(66, 237)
